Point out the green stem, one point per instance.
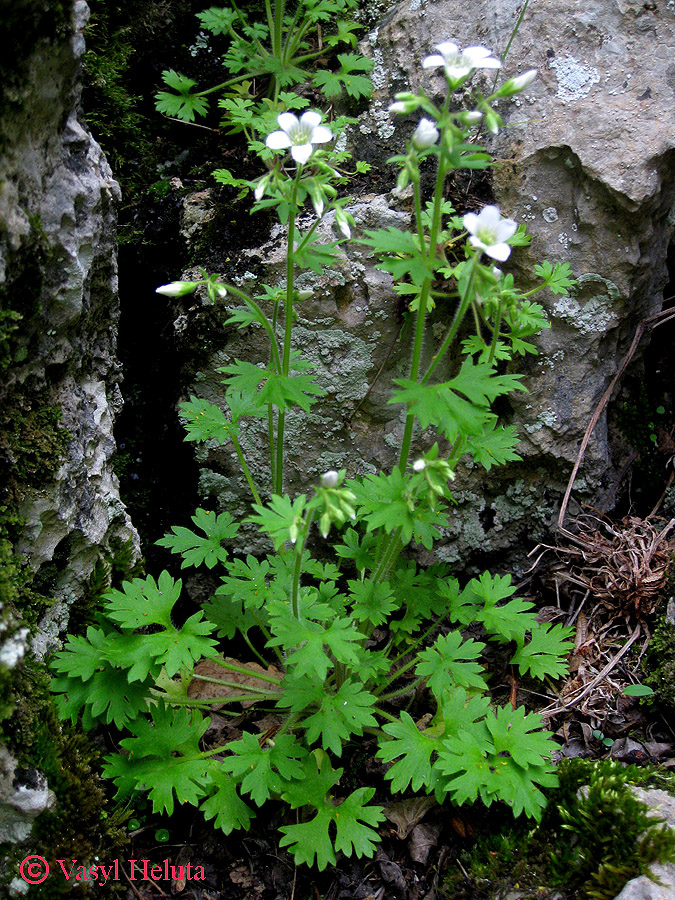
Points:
(242, 670)
(410, 647)
(264, 321)
(392, 678)
(495, 334)
(288, 329)
(233, 684)
(278, 28)
(457, 321)
(404, 690)
(297, 569)
(254, 650)
(246, 470)
(270, 433)
(230, 81)
(424, 296)
(384, 714)
(392, 548)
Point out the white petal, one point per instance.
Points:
(500, 252)
(477, 51)
(430, 62)
(506, 229)
(310, 119)
(490, 217)
(321, 134)
(345, 229)
(457, 72)
(278, 140)
(398, 108)
(287, 121)
(477, 243)
(447, 48)
(470, 222)
(301, 152)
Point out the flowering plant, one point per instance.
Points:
(365, 646)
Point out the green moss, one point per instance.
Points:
(77, 826)
(595, 836)
(658, 665)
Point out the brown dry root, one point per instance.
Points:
(624, 565)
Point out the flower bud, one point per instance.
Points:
(343, 222)
(330, 479)
(518, 84)
(304, 295)
(177, 288)
(425, 136)
(405, 103)
(471, 117)
(261, 187)
(419, 465)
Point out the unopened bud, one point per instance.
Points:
(419, 465)
(330, 479)
(518, 84)
(425, 136)
(177, 288)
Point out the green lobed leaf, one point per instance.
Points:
(448, 663)
(197, 550)
(545, 653)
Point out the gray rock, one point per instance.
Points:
(585, 163)
(662, 887)
(24, 794)
(58, 213)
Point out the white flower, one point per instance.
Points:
(329, 479)
(419, 465)
(426, 135)
(261, 187)
(489, 232)
(405, 103)
(458, 63)
(471, 117)
(299, 134)
(177, 288)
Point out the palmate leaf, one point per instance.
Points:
(143, 601)
(439, 405)
(479, 599)
(81, 657)
(358, 548)
(263, 770)
(545, 653)
(283, 391)
(197, 550)
(387, 501)
(151, 764)
(412, 749)
(225, 805)
(399, 253)
(558, 277)
(106, 696)
(372, 601)
(183, 104)
(494, 446)
(448, 663)
(217, 20)
(354, 821)
(204, 421)
(506, 762)
(282, 519)
(341, 715)
(304, 641)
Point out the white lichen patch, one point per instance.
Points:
(575, 80)
(598, 314)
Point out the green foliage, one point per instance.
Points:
(280, 54)
(347, 640)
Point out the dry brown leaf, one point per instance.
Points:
(405, 814)
(239, 683)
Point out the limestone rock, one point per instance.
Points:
(662, 887)
(24, 794)
(585, 162)
(58, 269)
